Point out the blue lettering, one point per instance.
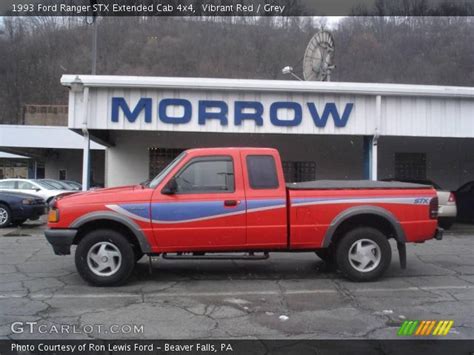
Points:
(188, 110)
(218, 110)
(290, 106)
(239, 116)
(142, 104)
(204, 115)
(330, 109)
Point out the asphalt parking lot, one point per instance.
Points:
(287, 296)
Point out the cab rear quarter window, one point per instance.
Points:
(262, 172)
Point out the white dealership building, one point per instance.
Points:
(323, 130)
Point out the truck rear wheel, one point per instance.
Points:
(363, 254)
(105, 257)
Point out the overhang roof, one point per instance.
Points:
(114, 81)
(42, 137)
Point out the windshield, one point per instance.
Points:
(58, 185)
(45, 185)
(161, 175)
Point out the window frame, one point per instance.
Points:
(248, 172)
(225, 158)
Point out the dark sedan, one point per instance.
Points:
(465, 200)
(16, 208)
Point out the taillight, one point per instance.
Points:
(452, 198)
(434, 205)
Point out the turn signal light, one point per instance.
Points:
(53, 216)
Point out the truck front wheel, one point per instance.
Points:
(363, 254)
(104, 257)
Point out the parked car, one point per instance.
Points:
(447, 211)
(465, 201)
(60, 184)
(74, 185)
(228, 200)
(17, 207)
(32, 187)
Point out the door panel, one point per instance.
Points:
(207, 211)
(266, 200)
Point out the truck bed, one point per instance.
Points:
(353, 185)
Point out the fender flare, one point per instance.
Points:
(113, 216)
(360, 210)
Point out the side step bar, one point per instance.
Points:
(202, 256)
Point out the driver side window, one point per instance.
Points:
(207, 175)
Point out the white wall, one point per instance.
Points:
(406, 110)
(71, 160)
(450, 162)
(127, 162)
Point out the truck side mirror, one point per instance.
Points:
(170, 188)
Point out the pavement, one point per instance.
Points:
(287, 296)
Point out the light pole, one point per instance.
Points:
(86, 160)
(289, 70)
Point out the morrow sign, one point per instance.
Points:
(278, 113)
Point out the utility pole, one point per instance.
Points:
(86, 160)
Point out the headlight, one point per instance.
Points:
(27, 201)
(53, 216)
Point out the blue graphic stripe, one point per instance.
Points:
(139, 209)
(176, 212)
(375, 199)
(252, 204)
(182, 211)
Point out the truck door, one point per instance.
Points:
(207, 209)
(265, 191)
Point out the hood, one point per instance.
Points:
(99, 195)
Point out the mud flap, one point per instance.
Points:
(402, 253)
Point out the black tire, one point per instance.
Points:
(5, 215)
(18, 222)
(117, 242)
(445, 224)
(368, 237)
(329, 258)
(137, 253)
(324, 254)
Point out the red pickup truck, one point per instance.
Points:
(233, 203)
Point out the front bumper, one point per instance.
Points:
(30, 211)
(439, 233)
(61, 240)
(447, 211)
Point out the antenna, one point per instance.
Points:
(318, 61)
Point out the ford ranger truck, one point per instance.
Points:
(233, 203)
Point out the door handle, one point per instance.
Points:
(231, 203)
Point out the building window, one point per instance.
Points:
(410, 166)
(160, 158)
(62, 174)
(40, 171)
(299, 171)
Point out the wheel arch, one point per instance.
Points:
(112, 220)
(2, 202)
(364, 216)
